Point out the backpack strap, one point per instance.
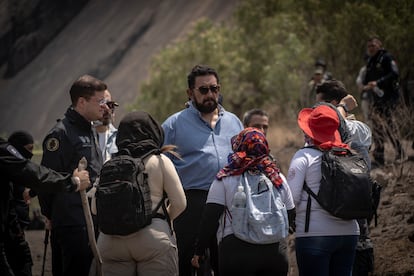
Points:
(308, 205)
(162, 205)
(162, 202)
(310, 193)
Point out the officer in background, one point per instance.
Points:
(17, 169)
(381, 80)
(320, 75)
(70, 139)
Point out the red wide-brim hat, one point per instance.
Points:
(320, 123)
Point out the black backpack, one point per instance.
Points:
(346, 186)
(123, 199)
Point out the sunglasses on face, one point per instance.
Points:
(110, 104)
(204, 89)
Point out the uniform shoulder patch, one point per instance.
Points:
(14, 152)
(52, 144)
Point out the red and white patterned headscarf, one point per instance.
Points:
(251, 153)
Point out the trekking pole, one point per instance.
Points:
(83, 163)
(46, 241)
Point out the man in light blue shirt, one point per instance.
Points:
(202, 134)
(105, 129)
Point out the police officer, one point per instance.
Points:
(68, 141)
(16, 247)
(17, 169)
(381, 80)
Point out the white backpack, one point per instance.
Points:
(264, 220)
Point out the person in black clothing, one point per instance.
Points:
(23, 142)
(69, 140)
(18, 169)
(16, 247)
(381, 80)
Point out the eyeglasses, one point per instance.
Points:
(101, 102)
(110, 104)
(204, 89)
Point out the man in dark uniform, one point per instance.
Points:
(16, 247)
(381, 80)
(17, 169)
(69, 140)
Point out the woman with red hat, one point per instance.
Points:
(328, 247)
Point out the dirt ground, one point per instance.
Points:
(37, 246)
(393, 237)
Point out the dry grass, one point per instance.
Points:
(284, 141)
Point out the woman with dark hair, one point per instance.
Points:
(151, 250)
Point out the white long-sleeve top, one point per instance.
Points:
(306, 166)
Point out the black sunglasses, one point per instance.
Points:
(204, 89)
(111, 104)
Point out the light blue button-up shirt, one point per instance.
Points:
(204, 150)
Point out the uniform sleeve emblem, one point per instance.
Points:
(52, 144)
(14, 152)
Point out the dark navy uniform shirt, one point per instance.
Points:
(383, 69)
(69, 140)
(15, 168)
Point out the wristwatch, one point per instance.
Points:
(344, 107)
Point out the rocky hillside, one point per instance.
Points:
(113, 40)
(26, 27)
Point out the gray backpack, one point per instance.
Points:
(264, 219)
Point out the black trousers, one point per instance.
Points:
(186, 230)
(18, 255)
(71, 254)
(237, 257)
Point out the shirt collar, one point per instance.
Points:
(75, 118)
(194, 110)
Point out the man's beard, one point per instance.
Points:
(106, 120)
(207, 106)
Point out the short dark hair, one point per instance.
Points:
(85, 86)
(332, 90)
(200, 70)
(247, 117)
